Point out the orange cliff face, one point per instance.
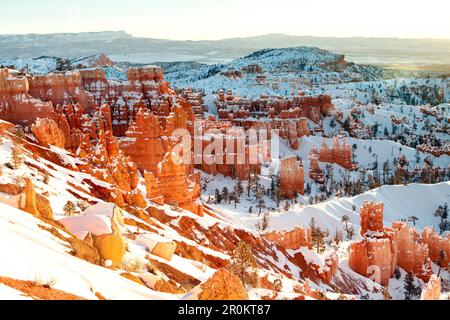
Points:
(61, 89)
(315, 172)
(293, 239)
(227, 153)
(291, 177)
(177, 185)
(339, 153)
(144, 141)
(382, 249)
(16, 104)
(371, 216)
(299, 238)
(47, 132)
(439, 247)
(87, 128)
(413, 254)
(375, 255)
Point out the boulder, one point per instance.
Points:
(223, 285)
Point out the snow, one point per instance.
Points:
(8, 293)
(35, 254)
(82, 225)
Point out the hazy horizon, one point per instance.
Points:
(216, 20)
(227, 38)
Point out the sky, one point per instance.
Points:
(214, 19)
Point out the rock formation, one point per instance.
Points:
(381, 250)
(47, 132)
(16, 104)
(222, 286)
(315, 172)
(412, 252)
(291, 177)
(293, 239)
(99, 226)
(432, 290)
(61, 89)
(34, 203)
(176, 185)
(340, 153)
(439, 247)
(371, 216)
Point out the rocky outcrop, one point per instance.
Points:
(412, 252)
(99, 227)
(158, 246)
(315, 266)
(311, 107)
(144, 142)
(253, 68)
(228, 153)
(380, 250)
(6, 126)
(371, 216)
(339, 153)
(61, 89)
(33, 203)
(432, 290)
(291, 177)
(222, 286)
(111, 247)
(47, 132)
(375, 255)
(176, 185)
(315, 172)
(373, 258)
(293, 239)
(16, 104)
(439, 247)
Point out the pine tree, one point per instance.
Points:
(261, 204)
(239, 189)
(442, 213)
(350, 231)
(317, 237)
(243, 264)
(225, 195)
(411, 290)
(69, 209)
(16, 158)
(386, 294)
(413, 219)
(286, 206)
(264, 223)
(442, 259)
(218, 196)
(235, 198)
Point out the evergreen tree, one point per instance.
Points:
(69, 209)
(243, 264)
(350, 231)
(317, 237)
(442, 259)
(413, 219)
(225, 195)
(264, 223)
(411, 290)
(16, 158)
(442, 214)
(218, 196)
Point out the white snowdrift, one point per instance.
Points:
(30, 253)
